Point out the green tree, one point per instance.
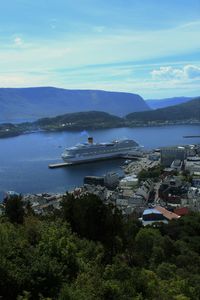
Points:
(90, 218)
(145, 240)
(14, 209)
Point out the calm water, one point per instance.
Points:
(24, 160)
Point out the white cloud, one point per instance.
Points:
(190, 24)
(192, 71)
(92, 49)
(18, 41)
(170, 73)
(12, 80)
(65, 57)
(24, 79)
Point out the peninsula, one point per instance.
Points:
(186, 113)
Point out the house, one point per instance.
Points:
(181, 211)
(168, 215)
(157, 214)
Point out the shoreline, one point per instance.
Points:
(9, 133)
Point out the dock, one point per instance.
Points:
(128, 156)
(66, 164)
(59, 165)
(191, 136)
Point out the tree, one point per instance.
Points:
(14, 209)
(146, 239)
(91, 218)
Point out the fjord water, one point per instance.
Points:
(24, 159)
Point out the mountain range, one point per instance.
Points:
(161, 103)
(189, 111)
(178, 113)
(29, 104)
(185, 113)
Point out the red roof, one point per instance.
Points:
(166, 213)
(181, 211)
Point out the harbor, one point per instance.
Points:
(153, 179)
(25, 169)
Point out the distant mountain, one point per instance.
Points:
(188, 112)
(72, 121)
(182, 112)
(19, 104)
(161, 103)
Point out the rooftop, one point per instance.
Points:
(166, 213)
(151, 211)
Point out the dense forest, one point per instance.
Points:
(87, 251)
(90, 119)
(185, 111)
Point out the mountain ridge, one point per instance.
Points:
(36, 102)
(187, 113)
(165, 102)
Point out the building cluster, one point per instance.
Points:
(178, 158)
(173, 194)
(39, 203)
(176, 193)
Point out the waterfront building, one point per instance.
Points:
(94, 180)
(169, 154)
(111, 179)
(192, 164)
(177, 165)
(129, 181)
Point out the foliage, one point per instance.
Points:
(91, 219)
(153, 173)
(185, 111)
(14, 209)
(90, 252)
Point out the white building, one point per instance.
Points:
(129, 181)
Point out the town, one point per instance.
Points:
(157, 186)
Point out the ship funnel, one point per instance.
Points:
(90, 140)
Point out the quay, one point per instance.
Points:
(129, 156)
(65, 164)
(191, 136)
(59, 165)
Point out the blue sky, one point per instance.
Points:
(149, 47)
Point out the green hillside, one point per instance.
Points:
(81, 120)
(179, 114)
(186, 111)
(89, 251)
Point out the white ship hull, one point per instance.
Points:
(78, 160)
(84, 153)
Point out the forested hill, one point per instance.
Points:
(183, 112)
(180, 114)
(18, 104)
(74, 121)
(81, 120)
(161, 103)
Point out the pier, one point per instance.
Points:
(191, 136)
(59, 165)
(66, 164)
(134, 157)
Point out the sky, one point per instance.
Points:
(147, 47)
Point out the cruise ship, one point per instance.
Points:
(91, 151)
